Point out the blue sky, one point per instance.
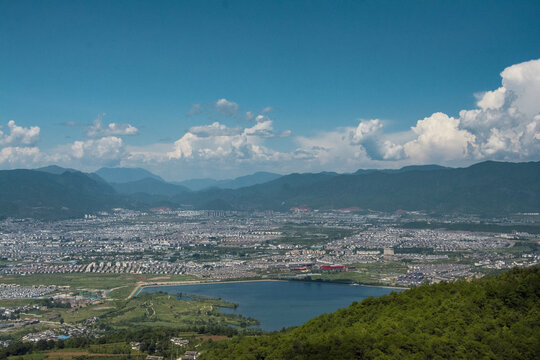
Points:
(338, 85)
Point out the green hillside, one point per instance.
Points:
(486, 188)
(39, 194)
(493, 318)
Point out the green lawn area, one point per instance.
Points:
(162, 310)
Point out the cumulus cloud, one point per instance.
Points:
(226, 107)
(439, 138)
(19, 135)
(333, 150)
(504, 126)
(218, 141)
(98, 129)
(366, 129)
(506, 123)
(110, 147)
(88, 154)
(15, 156)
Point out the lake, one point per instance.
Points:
(279, 304)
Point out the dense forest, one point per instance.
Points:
(492, 318)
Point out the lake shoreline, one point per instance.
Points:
(202, 282)
(278, 303)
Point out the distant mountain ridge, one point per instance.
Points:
(241, 181)
(58, 170)
(124, 175)
(403, 169)
(149, 186)
(45, 195)
(487, 188)
(55, 169)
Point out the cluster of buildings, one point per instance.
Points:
(232, 245)
(10, 291)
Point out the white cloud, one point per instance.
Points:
(97, 129)
(505, 125)
(217, 141)
(88, 154)
(226, 107)
(365, 129)
(19, 135)
(492, 99)
(332, 150)
(262, 128)
(15, 156)
(439, 138)
(216, 129)
(110, 147)
(507, 122)
(522, 81)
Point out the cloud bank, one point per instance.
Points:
(504, 125)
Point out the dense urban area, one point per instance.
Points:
(66, 279)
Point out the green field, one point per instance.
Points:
(147, 310)
(114, 310)
(162, 310)
(120, 285)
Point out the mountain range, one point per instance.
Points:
(239, 182)
(45, 195)
(486, 188)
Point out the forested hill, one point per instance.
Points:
(488, 188)
(484, 188)
(493, 318)
(47, 195)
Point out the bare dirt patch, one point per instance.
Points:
(160, 278)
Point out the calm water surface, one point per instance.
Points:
(278, 304)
